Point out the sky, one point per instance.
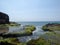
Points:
(31, 10)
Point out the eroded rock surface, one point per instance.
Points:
(4, 18)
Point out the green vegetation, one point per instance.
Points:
(10, 38)
(53, 37)
(40, 41)
(29, 28)
(14, 24)
(50, 38)
(10, 41)
(27, 31)
(51, 27)
(11, 24)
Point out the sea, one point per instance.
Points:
(38, 32)
(37, 23)
(35, 34)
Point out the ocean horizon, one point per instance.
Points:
(36, 23)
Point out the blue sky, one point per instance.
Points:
(31, 10)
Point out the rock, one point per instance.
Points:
(4, 18)
(51, 27)
(4, 29)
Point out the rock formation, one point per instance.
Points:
(4, 18)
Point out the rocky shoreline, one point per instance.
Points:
(49, 38)
(51, 27)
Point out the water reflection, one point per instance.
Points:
(36, 34)
(4, 29)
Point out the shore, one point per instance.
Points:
(49, 38)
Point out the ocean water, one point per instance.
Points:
(38, 23)
(37, 33)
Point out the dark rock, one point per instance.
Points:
(4, 18)
(14, 35)
(5, 43)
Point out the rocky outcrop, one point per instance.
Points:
(51, 27)
(4, 18)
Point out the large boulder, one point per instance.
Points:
(4, 18)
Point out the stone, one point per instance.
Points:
(4, 18)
